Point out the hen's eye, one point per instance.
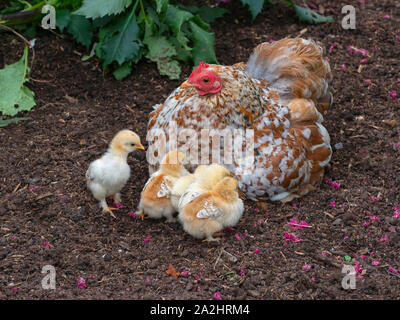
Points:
(205, 80)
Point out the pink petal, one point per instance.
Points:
(217, 296)
(393, 94)
(81, 283)
(375, 263)
(307, 267)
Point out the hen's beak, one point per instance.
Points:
(140, 147)
(186, 84)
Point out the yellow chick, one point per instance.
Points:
(207, 179)
(155, 200)
(108, 175)
(183, 183)
(212, 211)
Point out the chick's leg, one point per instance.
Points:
(211, 238)
(117, 198)
(106, 208)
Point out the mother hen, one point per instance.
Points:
(278, 96)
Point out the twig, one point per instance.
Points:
(219, 256)
(16, 188)
(130, 109)
(394, 274)
(27, 42)
(16, 33)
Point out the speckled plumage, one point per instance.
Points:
(277, 95)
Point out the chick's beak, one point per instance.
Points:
(187, 84)
(140, 147)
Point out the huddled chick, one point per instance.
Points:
(212, 211)
(155, 199)
(108, 175)
(209, 177)
(183, 183)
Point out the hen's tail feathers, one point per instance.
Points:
(296, 68)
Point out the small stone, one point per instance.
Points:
(337, 222)
(338, 146)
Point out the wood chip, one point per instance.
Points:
(16, 188)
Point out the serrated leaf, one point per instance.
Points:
(81, 29)
(123, 71)
(205, 26)
(255, 6)
(176, 17)
(63, 17)
(310, 16)
(181, 53)
(203, 49)
(15, 97)
(99, 8)
(121, 41)
(159, 47)
(169, 68)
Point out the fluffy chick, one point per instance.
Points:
(207, 179)
(183, 183)
(108, 175)
(212, 211)
(155, 199)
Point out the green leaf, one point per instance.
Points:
(255, 6)
(99, 8)
(81, 29)
(169, 68)
(159, 47)
(4, 122)
(347, 258)
(181, 53)
(206, 14)
(205, 26)
(121, 41)
(203, 49)
(176, 17)
(63, 18)
(101, 22)
(160, 51)
(15, 97)
(123, 71)
(310, 16)
(161, 5)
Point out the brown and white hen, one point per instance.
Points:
(279, 95)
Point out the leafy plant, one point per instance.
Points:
(304, 14)
(15, 96)
(158, 30)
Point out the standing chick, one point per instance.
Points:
(108, 175)
(155, 200)
(183, 183)
(213, 211)
(207, 179)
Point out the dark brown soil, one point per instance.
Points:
(43, 195)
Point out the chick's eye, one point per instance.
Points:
(132, 144)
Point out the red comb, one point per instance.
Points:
(198, 69)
